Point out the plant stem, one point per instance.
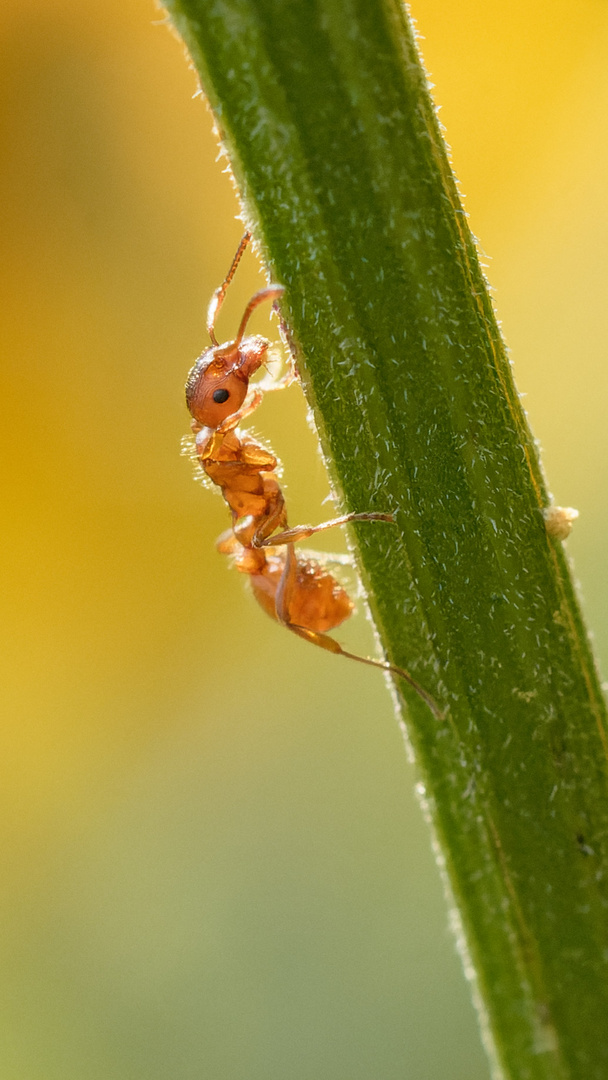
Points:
(323, 108)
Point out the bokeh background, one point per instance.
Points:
(213, 864)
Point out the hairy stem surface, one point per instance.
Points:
(324, 111)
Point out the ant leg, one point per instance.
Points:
(288, 342)
(227, 543)
(302, 532)
(331, 645)
(212, 442)
(324, 641)
(252, 402)
(271, 520)
(267, 385)
(328, 558)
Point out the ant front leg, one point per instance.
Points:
(212, 440)
(284, 597)
(302, 532)
(267, 385)
(227, 543)
(252, 402)
(272, 382)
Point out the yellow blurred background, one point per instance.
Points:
(213, 864)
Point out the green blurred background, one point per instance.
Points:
(213, 864)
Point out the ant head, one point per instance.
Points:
(218, 383)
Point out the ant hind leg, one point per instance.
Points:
(324, 641)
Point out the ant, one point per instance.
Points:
(297, 591)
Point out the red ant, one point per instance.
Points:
(295, 590)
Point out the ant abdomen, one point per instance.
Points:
(316, 601)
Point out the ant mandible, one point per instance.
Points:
(297, 591)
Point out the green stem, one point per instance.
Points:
(324, 111)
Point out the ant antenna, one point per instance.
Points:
(272, 292)
(218, 297)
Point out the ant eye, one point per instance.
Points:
(220, 396)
